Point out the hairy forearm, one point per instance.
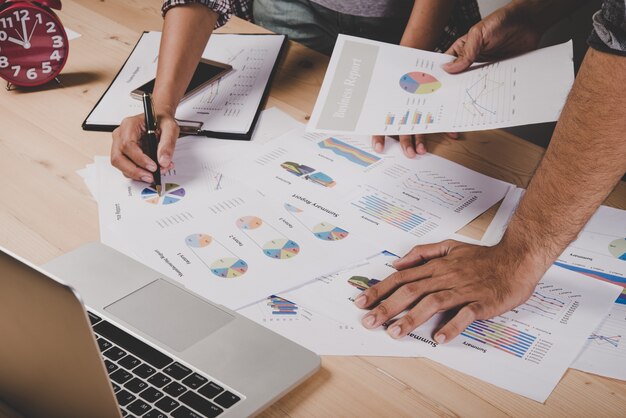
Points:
(543, 13)
(585, 160)
(426, 24)
(186, 30)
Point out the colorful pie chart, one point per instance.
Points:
(198, 240)
(229, 268)
(361, 282)
(329, 232)
(172, 193)
(281, 249)
(249, 222)
(618, 248)
(419, 83)
(292, 208)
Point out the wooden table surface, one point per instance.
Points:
(46, 210)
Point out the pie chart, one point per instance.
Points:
(198, 240)
(329, 232)
(292, 208)
(249, 222)
(229, 268)
(281, 249)
(172, 193)
(618, 248)
(419, 83)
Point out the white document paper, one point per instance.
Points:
(376, 88)
(495, 231)
(227, 105)
(219, 239)
(400, 201)
(526, 350)
(600, 252)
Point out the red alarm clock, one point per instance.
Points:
(33, 42)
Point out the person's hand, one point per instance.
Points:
(126, 152)
(479, 282)
(412, 145)
(507, 32)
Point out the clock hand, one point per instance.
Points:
(32, 31)
(18, 35)
(15, 41)
(25, 33)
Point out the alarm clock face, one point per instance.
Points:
(33, 45)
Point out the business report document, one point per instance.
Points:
(376, 88)
(400, 201)
(526, 350)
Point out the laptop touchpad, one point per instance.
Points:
(170, 314)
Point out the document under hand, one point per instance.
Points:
(376, 88)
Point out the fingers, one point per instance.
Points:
(468, 314)
(467, 48)
(378, 143)
(430, 305)
(129, 168)
(402, 299)
(421, 253)
(381, 290)
(407, 142)
(167, 142)
(453, 135)
(126, 154)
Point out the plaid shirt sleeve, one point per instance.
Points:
(224, 8)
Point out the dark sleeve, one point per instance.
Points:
(224, 8)
(609, 28)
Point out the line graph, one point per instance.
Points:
(488, 95)
(603, 339)
(477, 100)
(437, 192)
(544, 305)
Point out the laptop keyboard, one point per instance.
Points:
(150, 384)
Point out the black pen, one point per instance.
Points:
(152, 140)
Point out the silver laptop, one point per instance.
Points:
(143, 346)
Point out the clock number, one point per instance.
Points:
(51, 27)
(24, 16)
(55, 55)
(4, 62)
(17, 69)
(3, 35)
(57, 41)
(46, 67)
(39, 19)
(31, 74)
(7, 22)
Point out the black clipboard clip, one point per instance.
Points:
(189, 127)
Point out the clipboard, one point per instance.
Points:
(190, 127)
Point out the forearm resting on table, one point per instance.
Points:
(186, 31)
(585, 160)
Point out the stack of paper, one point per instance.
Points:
(289, 228)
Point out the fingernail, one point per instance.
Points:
(440, 338)
(147, 179)
(360, 301)
(378, 147)
(368, 321)
(394, 331)
(152, 166)
(164, 160)
(410, 152)
(421, 149)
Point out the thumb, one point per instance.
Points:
(467, 48)
(167, 142)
